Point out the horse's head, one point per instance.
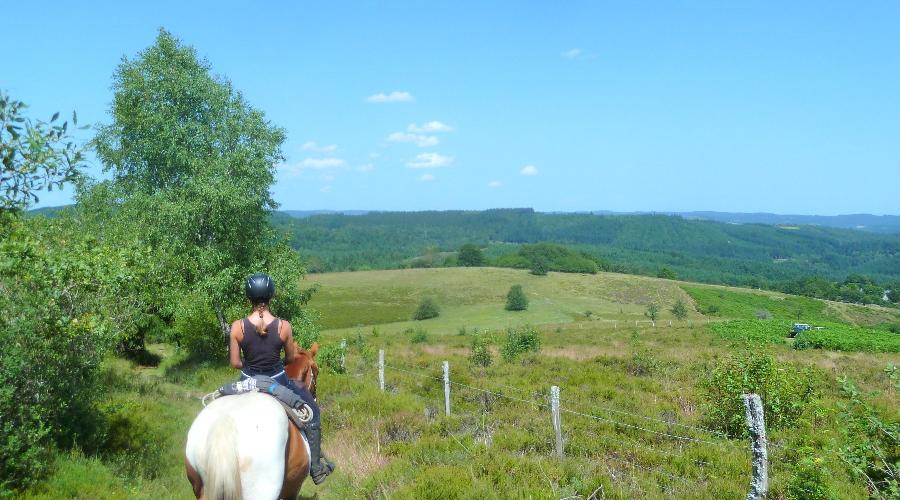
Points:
(303, 369)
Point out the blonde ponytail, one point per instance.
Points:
(261, 327)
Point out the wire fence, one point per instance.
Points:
(423, 382)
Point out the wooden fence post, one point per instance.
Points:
(447, 387)
(343, 351)
(557, 423)
(381, 369)
(759, 483)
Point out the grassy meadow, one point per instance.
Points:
(634, 417)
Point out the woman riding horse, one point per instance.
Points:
(260, 338)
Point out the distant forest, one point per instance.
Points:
(840, 264)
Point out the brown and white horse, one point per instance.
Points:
(244, 446)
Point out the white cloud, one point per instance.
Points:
(395, 96)
(423, 141)
(426, 178)
(529, 170)
(430, 127)
(312, 146)
(368, 167)
(326, 177)
(430, 160)
(571, 53)
(319, 163)
(325, 189)
(494, 184)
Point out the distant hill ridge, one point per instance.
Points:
(698, 250)
(889, 224)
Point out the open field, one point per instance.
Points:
(476, 296)
(635, 419)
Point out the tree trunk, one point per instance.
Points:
(223, 324)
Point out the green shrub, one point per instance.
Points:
(538, 267)
(848, 338)
(516, 299)
(481, 354)
(427, 309)
(642, 363)
(329, 357)
(419, 336)
(809, 479)
(786, 391)
(519, 341)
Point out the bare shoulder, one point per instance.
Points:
(237, 328)
(286, 330)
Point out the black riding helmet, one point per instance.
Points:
(259, 288)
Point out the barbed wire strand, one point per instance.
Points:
(604, 408)
(637, 427)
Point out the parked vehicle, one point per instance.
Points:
(799, 327)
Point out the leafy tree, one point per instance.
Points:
(427, 309)
(679, 309)
(470, 256)
(652, 311)
(191, 164)
(516, 299)
(34, 155)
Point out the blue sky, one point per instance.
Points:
(787, 107)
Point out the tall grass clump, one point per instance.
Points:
(481, 354)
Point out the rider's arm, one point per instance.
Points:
(234, 349)
(290, 348)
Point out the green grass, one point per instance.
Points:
(477, 296)
(398, 444)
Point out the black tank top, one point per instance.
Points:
(262, 354)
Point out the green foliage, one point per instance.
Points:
(642, 363)
(873, 443)
(516, 300)
(832, 336)
(838, 337)
(470, 256)
(747, 254)
(34, 155)
(481, 353)
(809, 480)
(329, 357)
(746, 305)
(427, 309)
(786, 391)
(306, 327)
(519, 341)
(538, 267)
(652, 311)
(679, 310)
(52, 336)
(666, 273)
(191, 164)
(418, 335)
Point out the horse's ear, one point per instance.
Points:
(313, 349)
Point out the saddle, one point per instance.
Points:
(296, 409)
